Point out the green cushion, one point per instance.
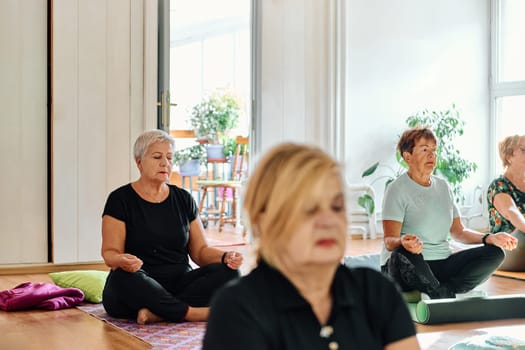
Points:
(91, 282)
(413, 296)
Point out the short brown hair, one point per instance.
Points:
(507, 147)
(286, 177)
(410, 137)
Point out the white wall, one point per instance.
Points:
(295, 82)
(23, 131)
(99, 101)
(407, 55)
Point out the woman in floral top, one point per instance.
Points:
(506, 199)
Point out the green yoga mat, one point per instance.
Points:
(490, 308)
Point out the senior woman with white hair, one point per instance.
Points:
(300, 296)
(149, 228)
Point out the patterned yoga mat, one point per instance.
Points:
(161, 335)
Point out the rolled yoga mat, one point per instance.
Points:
(489, 308)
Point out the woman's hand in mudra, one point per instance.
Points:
(502, 240)
(130, 263)
(412, 244)
(233, 260)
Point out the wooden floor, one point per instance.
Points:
(75, 329)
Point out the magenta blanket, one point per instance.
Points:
(47, 296)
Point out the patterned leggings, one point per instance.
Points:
(459, 273)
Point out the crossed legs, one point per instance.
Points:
(459, 273)
(138, 295)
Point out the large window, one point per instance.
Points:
(508, 73)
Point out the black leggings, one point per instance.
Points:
(125, 293)
(459, 273)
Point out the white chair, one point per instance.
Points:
(477, 220)
(360, 221)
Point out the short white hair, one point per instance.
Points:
(149, 137)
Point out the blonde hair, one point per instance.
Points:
(507, 147)
(149, 137)
(288, 176)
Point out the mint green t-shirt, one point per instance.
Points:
(426, 212)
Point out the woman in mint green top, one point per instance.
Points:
(506, 199)
(419, 213)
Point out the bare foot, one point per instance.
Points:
(145, 316)
(195, 314)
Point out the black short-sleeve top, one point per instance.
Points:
(264, 311)
(157, 233)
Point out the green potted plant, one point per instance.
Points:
(446, 125)
(230, 145)
(190, 159)
(213, 117)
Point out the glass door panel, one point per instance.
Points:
(209, 51)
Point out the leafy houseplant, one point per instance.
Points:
(194, 152)
(446, 125)
(190, 160)
(214, 116)
(230, 145)
(366, 201)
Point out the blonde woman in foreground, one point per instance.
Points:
(300, 296)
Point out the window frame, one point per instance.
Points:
(498, 88)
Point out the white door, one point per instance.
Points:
(23, 131)
(205, 48)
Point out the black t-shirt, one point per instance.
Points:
(264, 311)
(157, 233)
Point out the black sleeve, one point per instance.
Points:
(115, 205)
(233, 324)
(387, 306)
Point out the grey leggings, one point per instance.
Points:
(459, 273)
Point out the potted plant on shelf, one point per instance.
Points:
(229, 150)
(446, 125)
(190, 159)
(212, 118)
(230, 145)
